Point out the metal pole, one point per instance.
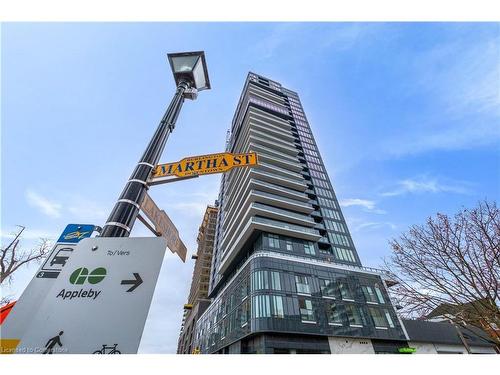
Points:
(122, 217)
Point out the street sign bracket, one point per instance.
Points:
(149, 226)
(166, 180)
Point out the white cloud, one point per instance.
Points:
(373, 225)
(47, 207)
(423, 184)
(461, 78)
(368, 205)
(293, 36)
(83, 209)
(358, 202)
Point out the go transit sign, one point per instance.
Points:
(205, 164)
(100, 301)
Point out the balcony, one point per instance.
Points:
(266, 225)
(277, 200)
(239, 212)
(272, 152)
(280, 171)
(278, 190)
(278, 162)
(268, 118)
(252, 209)
(281, 214)
(265, 140)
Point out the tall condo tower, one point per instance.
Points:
(285, 274)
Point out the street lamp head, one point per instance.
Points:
(191, 68)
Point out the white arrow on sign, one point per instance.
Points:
(100, 301)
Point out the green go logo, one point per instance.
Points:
(81, 274)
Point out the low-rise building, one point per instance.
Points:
(446, 338)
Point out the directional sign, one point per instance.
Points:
(164, 226)
(100, 301)
(205, 164)
(26, 307)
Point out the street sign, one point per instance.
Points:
(205, 164)
(26, 307)
(75, 232)
(100, 301)
(164, 226)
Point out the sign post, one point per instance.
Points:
(100, 301)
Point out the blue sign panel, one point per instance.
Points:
(75, 232)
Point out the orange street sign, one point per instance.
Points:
(205, 164)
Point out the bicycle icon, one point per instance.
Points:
(105, 347)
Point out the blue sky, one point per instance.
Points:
(406, 116)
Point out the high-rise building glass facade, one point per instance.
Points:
(285, 275)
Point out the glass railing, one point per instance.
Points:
(282, 134)
(384, 274)
(279, 224)
(280, 177)
(279, 197)
(268, 117)
(260, 148)
(283, 212)
(283, 189)
(294, 167)
(263, 137)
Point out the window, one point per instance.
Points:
(309, 248)
(244, 290)
(345, 291)
(223, 329)
(389, 318)
(306, 310)
(274, 241)
(344, 254)
(260, 280)
(302, 284)
(327, 288)
(277, 307)
(334, 315)
(261, 306)
(354, 316)
(289, 245)
(338, 239)
(379, 294)
(379, 319)
(369, 294)
(244, 314)
(275, 280)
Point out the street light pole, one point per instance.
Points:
(123, 215)
(191, 75)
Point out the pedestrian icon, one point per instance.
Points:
(112, 350)
(49, 346)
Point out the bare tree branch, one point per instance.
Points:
(452, 263)
(12, 257)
